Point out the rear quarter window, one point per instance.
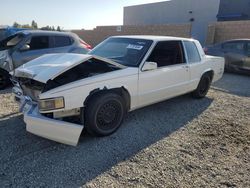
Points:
(61, 41)
(192, 52)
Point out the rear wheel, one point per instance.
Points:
(104, 114)
(4, 79)
(203, 87)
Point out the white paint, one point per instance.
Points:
(48, 67)
(144, 87)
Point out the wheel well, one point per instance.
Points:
(4, 71)
(123, 92)
(210, 74)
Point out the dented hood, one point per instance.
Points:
(48, 67)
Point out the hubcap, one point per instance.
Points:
(108, 116)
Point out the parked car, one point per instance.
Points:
(24, 46)
(119, 75)
(235, 52)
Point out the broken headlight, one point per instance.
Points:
(51, 104)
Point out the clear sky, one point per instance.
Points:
(69, 14)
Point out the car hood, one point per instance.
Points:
(48, 67)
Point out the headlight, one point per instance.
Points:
(51, 104)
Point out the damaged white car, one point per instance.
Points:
(61, 94)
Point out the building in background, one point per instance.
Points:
(234, 10)
(197, 12)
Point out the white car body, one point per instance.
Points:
(144, 87)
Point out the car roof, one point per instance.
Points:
(153, 37)
(39, 32)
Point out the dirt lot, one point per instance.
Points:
(182, 142)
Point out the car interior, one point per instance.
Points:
(167, 53)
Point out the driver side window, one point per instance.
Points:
(167, 53)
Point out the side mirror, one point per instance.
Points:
(25, 47)
(149, 66)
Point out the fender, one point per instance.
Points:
(123, 91)
(207, 70)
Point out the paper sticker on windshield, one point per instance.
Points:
(135, 47)
(141, 43)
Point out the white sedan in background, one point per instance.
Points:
(121, 74)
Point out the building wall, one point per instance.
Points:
(222, 31)
(95, 36)
(230, 9)
(202, 12)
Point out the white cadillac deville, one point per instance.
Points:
(121, 74)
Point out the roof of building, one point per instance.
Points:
(153, 37)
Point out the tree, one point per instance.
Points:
(34, 24)
(17, 25)
(58, 28)
(27, 26)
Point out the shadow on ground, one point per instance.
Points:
(5, 91)
(31, 161)
(235, 84)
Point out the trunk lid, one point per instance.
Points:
(48, 67)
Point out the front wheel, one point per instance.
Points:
(203, 87)
(104, 114)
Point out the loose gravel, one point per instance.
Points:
(181, 142)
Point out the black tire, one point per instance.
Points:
(104, 113)
(203, 87)
(4, 79)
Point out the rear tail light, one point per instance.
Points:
(86, 45)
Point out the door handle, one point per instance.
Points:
(185, 66)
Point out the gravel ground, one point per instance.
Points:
(181, 142)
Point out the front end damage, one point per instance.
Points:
(60, 131)
(47, 125)
(29, 83)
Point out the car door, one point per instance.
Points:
(36, 46)
(234, 54)
(170, 78)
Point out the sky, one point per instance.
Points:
(68, 14)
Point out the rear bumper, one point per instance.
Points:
(53, 129)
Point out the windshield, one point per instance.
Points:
(11, 41)
(125, 51)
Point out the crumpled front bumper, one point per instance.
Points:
(36, 123)
(60, 131)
